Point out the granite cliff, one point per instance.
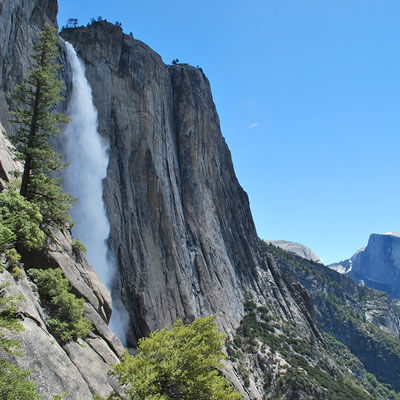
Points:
(181, 227)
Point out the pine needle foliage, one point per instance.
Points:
(15, 383)
(37, 98)
(67, 321)
(179, 363)
(19, 221)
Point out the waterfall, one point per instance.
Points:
(87, 152)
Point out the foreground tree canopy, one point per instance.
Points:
(179, 363)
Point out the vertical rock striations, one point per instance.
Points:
(181, 227)
(20, 23)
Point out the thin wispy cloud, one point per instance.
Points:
(254, 125)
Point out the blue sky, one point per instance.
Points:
(308, 94)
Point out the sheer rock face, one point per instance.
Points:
(20, 23)
(181, 227)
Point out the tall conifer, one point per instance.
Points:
(37, 98)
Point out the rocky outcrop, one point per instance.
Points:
(345, 266)
(80, 369)
(296, 249)
(181, 227)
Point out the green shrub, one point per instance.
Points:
(65, 309)
(18, 273)
(78, 246)
(245, 375)
(14, 383)
(13, 257)
(19, 221)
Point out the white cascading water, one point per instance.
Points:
(87, 152)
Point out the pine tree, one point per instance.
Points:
(37, 122)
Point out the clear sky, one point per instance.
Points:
(308, 94)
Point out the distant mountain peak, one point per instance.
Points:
(377, 264)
